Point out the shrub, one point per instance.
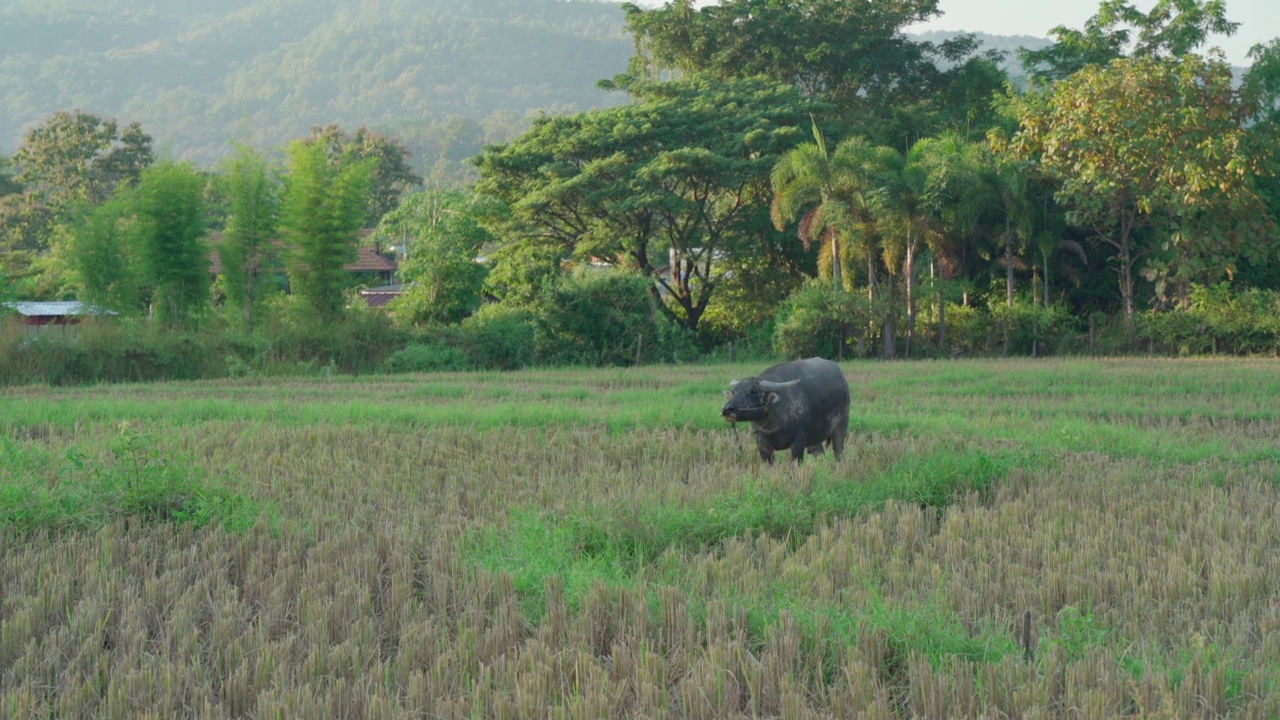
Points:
(359, 341)
(599, 317)
(1216, 320)
(110, 350)
(1030, 329)
(136, 481)
(428, 357)
(499, 337)
(818, 321)
(969, 331)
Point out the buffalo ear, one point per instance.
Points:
(728, 394)
(770, 398)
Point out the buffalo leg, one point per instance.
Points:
(837, 443)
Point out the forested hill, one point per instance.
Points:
(444, 76)
(200, 73)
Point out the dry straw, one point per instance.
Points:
(1132, 510)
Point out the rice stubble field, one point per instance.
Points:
(598, 543)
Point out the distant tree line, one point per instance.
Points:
(787, 178)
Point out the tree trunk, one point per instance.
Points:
(942, 306)
(909, 267)
(1008, 263)
(1126, 284)
(889, 348)
(836, 280)
(1046, 279)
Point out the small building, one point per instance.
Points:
(377, 297)
(62, 316)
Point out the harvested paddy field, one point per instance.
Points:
(598, 543)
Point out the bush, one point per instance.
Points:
(358, 342)
(1030, 329)
(136, 481)
(1026, 328)
(600, 317)
(109, 350)
(818, 321)
(428, 357)
(1216, 320)
(499, 337)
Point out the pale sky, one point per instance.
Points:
(1259, 19)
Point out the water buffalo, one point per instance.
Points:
(797, 405)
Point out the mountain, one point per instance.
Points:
(445, 76)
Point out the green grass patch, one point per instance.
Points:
(619, 546)
(135, 481)
(932, 480)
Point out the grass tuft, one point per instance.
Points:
(134, 481)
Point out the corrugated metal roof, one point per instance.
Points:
(380, 296)
(56, 309)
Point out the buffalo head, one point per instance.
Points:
(750, 398)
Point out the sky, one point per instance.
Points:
(1259, 19)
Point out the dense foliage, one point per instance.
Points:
(753, 186)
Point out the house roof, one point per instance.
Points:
(368, 260)
(380, 296)
(367, 257)
(56, 309)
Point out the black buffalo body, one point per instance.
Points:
(797, 405)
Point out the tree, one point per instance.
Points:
(853, 55)
(1172, 28)
(8, 183)
(252, 219)
(917, 190)
(100, 257)
(322, 210)
(80, 157)
(1152, 155)
(170, 226)
(390, 174)
(66, 164)
(441, 237)
(839, 50)
(825, 186)
(669, 186)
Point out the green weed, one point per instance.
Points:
(82, 492)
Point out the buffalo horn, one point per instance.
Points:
(772, 386)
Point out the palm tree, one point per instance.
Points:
(834, 193)
(932, 199)
(806, 177)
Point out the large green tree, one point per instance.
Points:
(672, 186)
(390, 175)
(81, 157)
(854, 55)
(100, 257)
(1153, 156)
(169, 220)
(323, 207)
(826, 189)
(252, 227)
(441, 237)
(64, 165)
